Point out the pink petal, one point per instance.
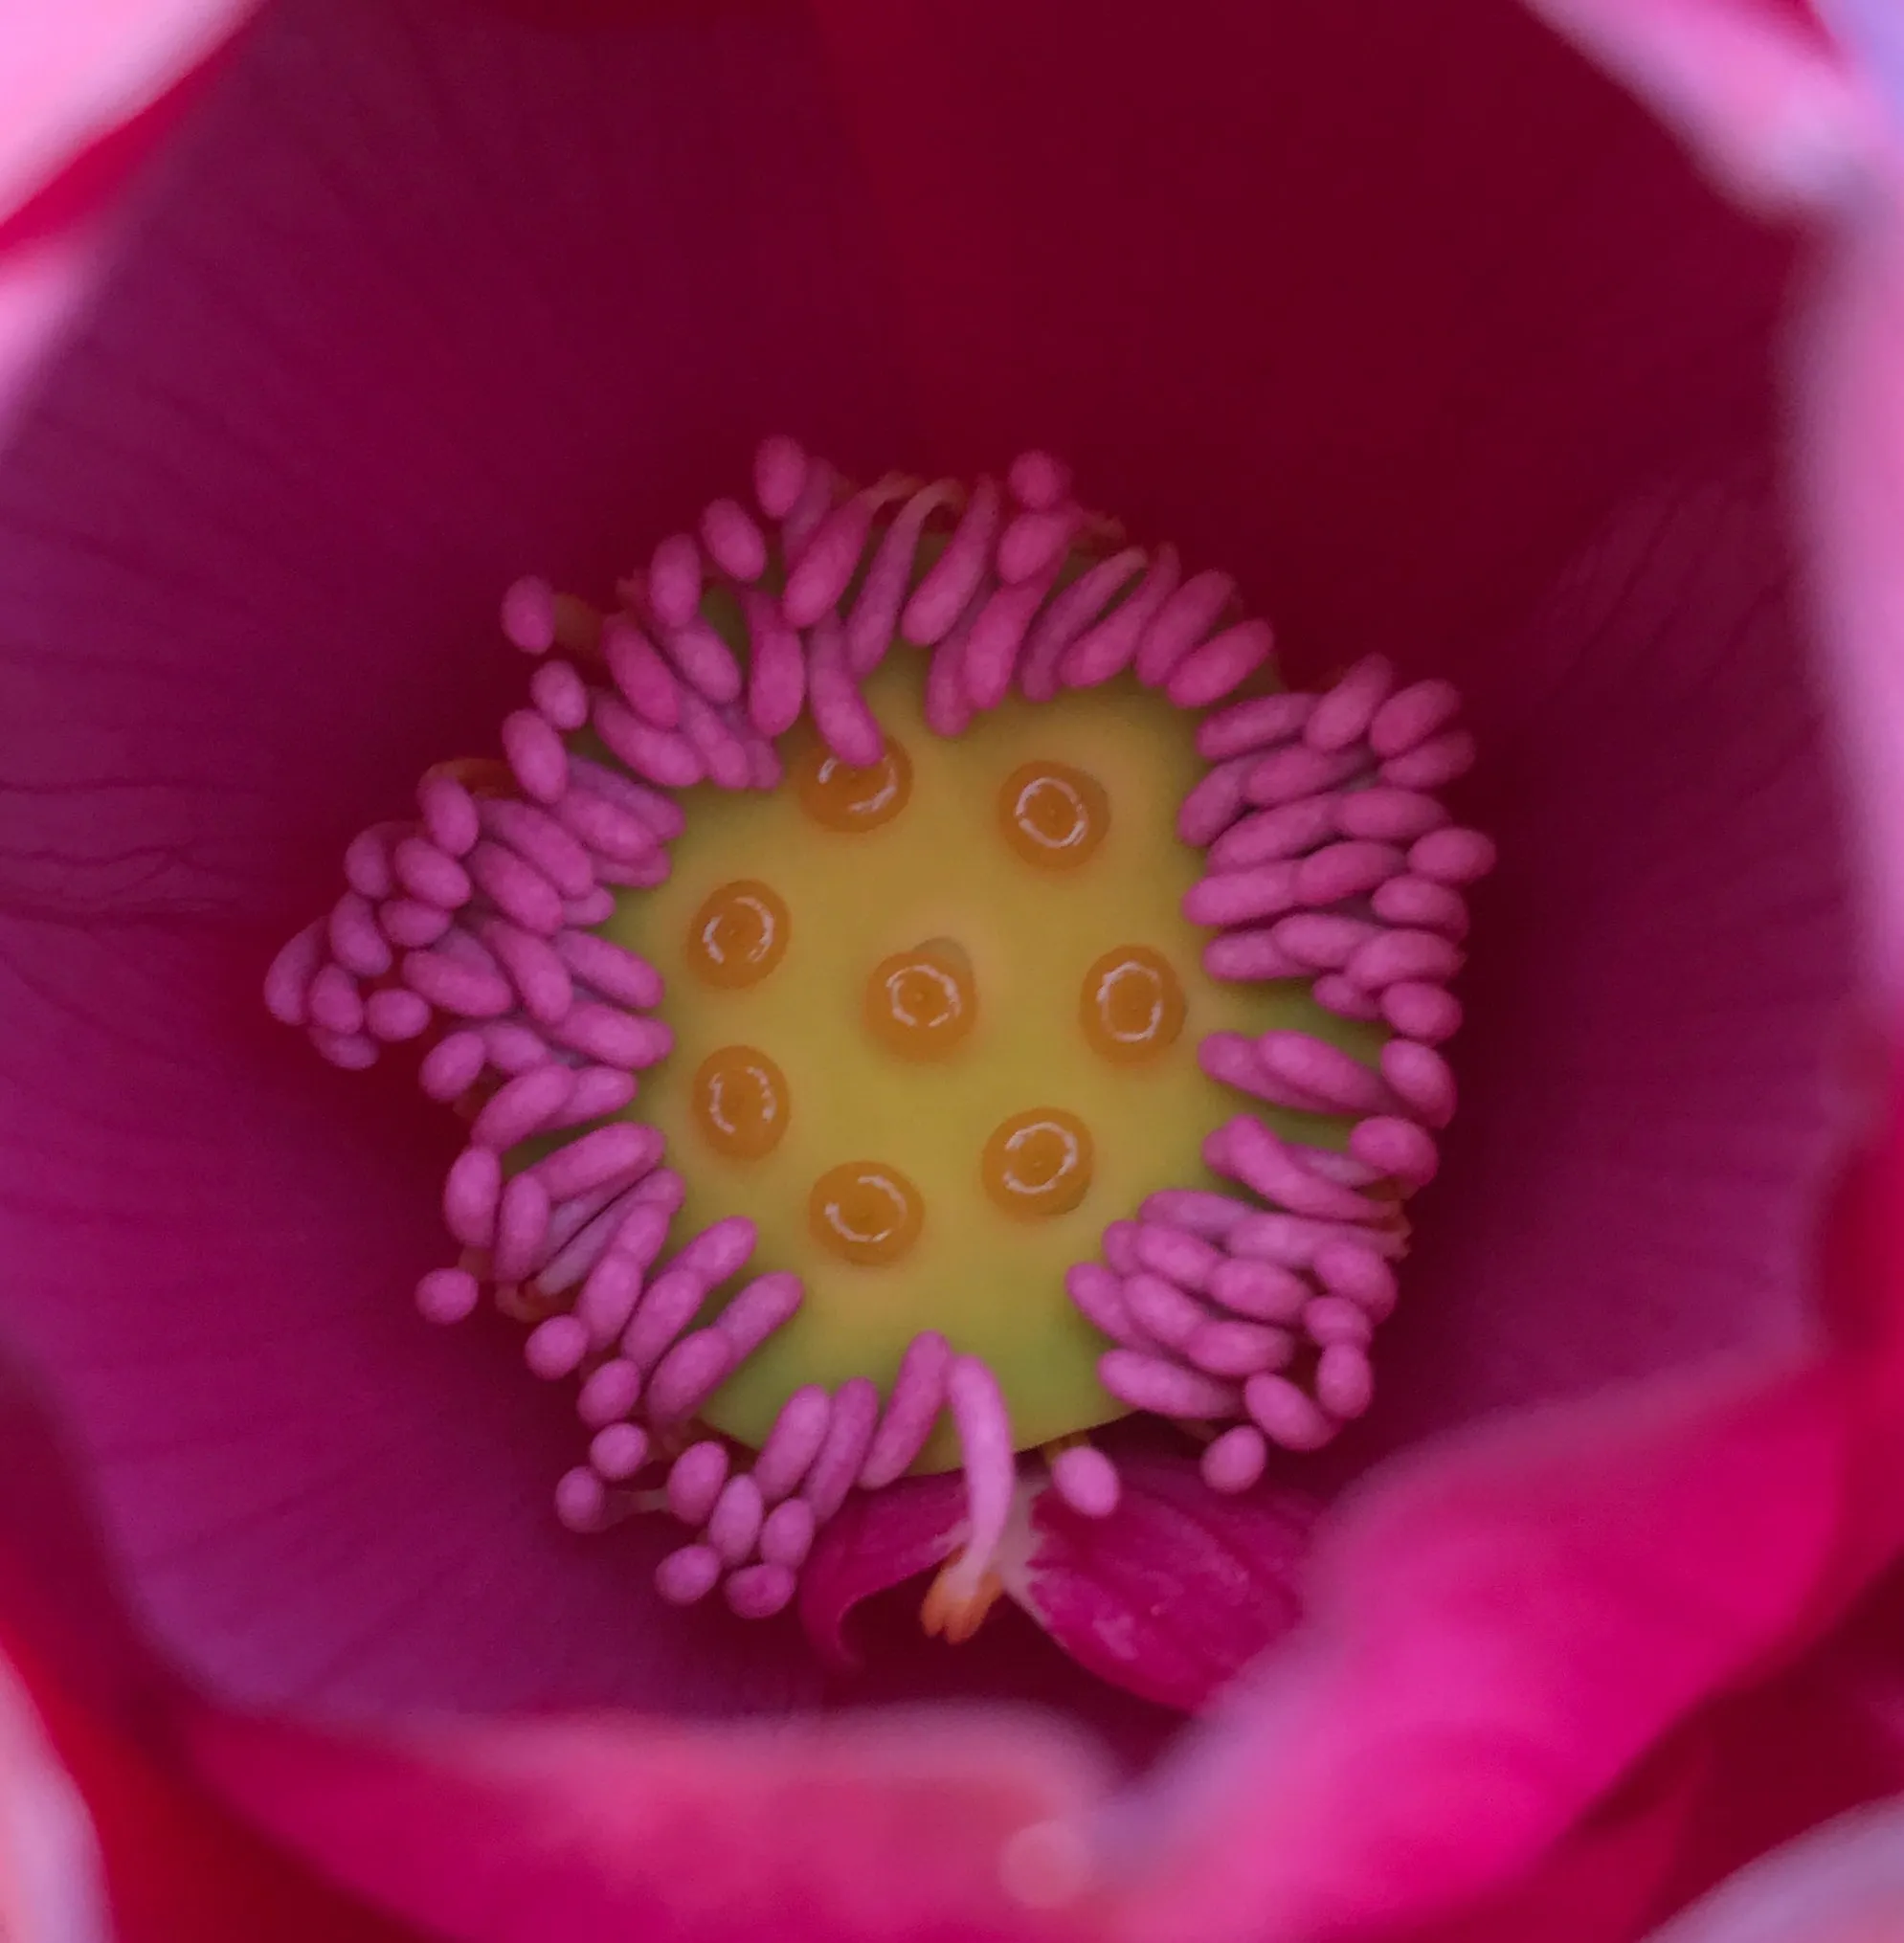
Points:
(1176, 1591)
(435, 378)
(50, 1885)
(1843, 1885)
(1497, 1634)
(878, 1540)
(596, 1830)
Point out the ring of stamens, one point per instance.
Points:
(485, 931)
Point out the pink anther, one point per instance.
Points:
(1344, 1382)
(1421, 904)
(1213, 804)
(334, 1002)
(1325, 1073)
(598, 907)
(449, 815)
(1112, 643)
(452, 1066)
(464, 991)
(794, 1442)
(646, 682)
(1230, 1059)
(617, 1451)
(947, 709)
(622, 1151)
(1119, 1242)
(1422, 1080)
(1259, 1292)
(512, 1048)
(1292, 1240)
(688, 1375)
(734, 541)
(1220, 666)
(1248, 728)
(430, 874)
(953, 578)
(662, 755)
(723, 753)
(918, 1396)
(1097, 1294)
(1232, 1462)
(1039, 482)
(544, 842)
(1066, 615)
(1161, 1310)
(1322, 940)
(603, 828)
(1196, 1211)
(367, 866)
(609, 1393)
(1400, 1148)
(827, 565)
(617, 973)
(686, 1577)
(787, 1533)
(1407, 718)
(581, 1501)
(757, 1592)
(874, 620)
(522, 1228)
(1251, 957)
(1271, 835)
(1342, 716)
(352, 1051)
(779, 475)
(448, 1295)
(613, 1037)
(1453, 856)
(517, 888)
(777, 670)
(1164, 1388)
(1344, 998)
(287, 983)
(1389, 816)
(843, 1451)
(840, 711)
(696, 1479)
(529, 614)
(817, 494)
(767, 1303)
(991, 1469)
(1236, 1349)
(555, 1347)
(535, 753)
(1392, 957)
(539, 975)
(997, 636)
(1182, 620)
(1286, 775)
(1334, 1319)
(1359, 1276)
(521, 1106)
(412, 925)
(1422, 1012)
(1431, 764)
(1243, 897)
(1034, 544)
(1249, 1151)
(661, 813)
(561, 696)
(1177, 1254)
(733, 1526)
(705, 661)
(1086, 1480)
(1346, 870)
(1285, 1415)
(394, 1014)
(674, 580)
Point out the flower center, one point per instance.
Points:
(935, 958)
(881, 845)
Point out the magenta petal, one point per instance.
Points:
(878, 1540)
(601, 1829)
(1176, 1591)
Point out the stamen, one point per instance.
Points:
(495, 932)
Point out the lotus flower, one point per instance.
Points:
(1428, 332)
